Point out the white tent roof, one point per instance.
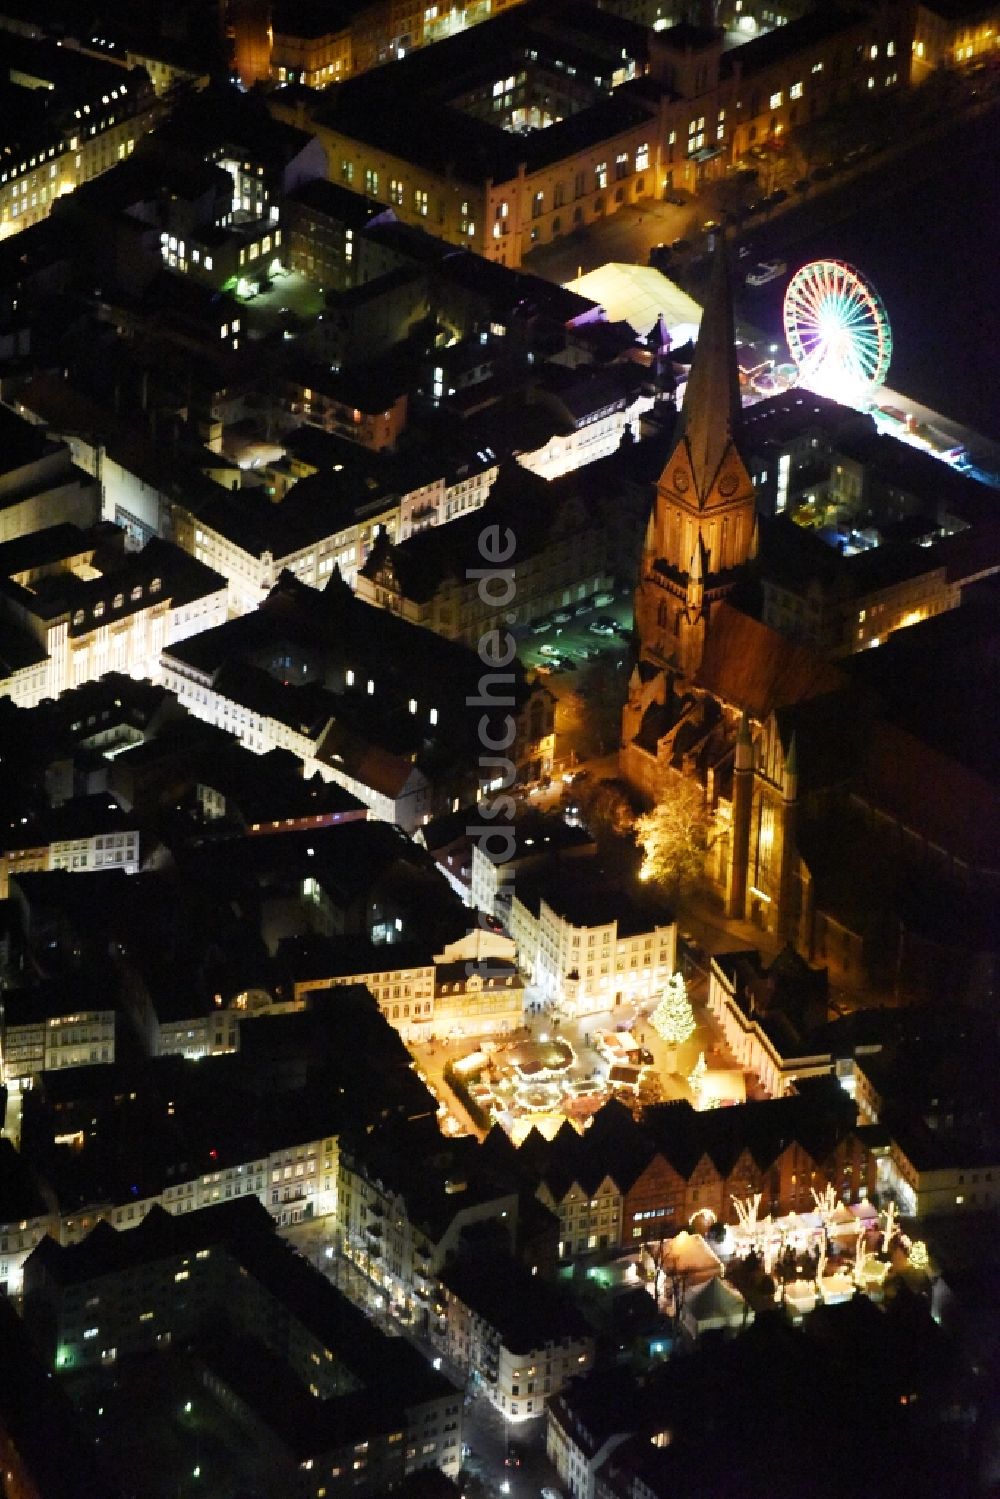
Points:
(842, 1219)
(692, 1256)
(716, 1305)
(637, 294)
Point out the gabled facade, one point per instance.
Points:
(653, 1206)
(589, 1221)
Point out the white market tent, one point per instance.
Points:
(689, 1255)
(843, 1223)
(715, 1305)
(637, 295)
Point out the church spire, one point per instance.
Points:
(712, 404)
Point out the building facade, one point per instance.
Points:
(664, 110)
(102, 110)
(590, 957)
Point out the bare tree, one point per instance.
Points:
(670, 1281)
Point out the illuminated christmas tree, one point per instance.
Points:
(696, 1079)
(673, 1017)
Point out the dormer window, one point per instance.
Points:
(156, 585)
(119, 601)
(136, 593)
(78, 617)
(99, 610)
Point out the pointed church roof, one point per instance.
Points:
(712, 403)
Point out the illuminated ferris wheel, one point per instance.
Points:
(837, 330)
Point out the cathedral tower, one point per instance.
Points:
(701, 530)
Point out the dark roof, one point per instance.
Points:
(314, 957)
(160, 1235)
(526, 1311)
(755, 668)
(333, 202)
(584, 896)
(788, 41)
(829, 732)
(42, 1429)
(953, 808)
(407, 109)
(817, 1117)
(437, 1179)
(80, 817)
(951, 660)
(22, 442)
(86, 989)
(20, 1195)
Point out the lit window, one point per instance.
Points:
(776, 100)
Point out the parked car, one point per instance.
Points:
(568, 664)
(602, 600)
(778, 197)
(680, 245)
(801, 184)
(563, 617)
(597, 628)
(659, 256)
(549, 650)
(677, 199)
(540, 626)
(583, 608)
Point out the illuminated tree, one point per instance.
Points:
(696, 1079)
(918, 1255)
(675, 836)
(673, 1018)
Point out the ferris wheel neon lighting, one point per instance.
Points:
(837, 330)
